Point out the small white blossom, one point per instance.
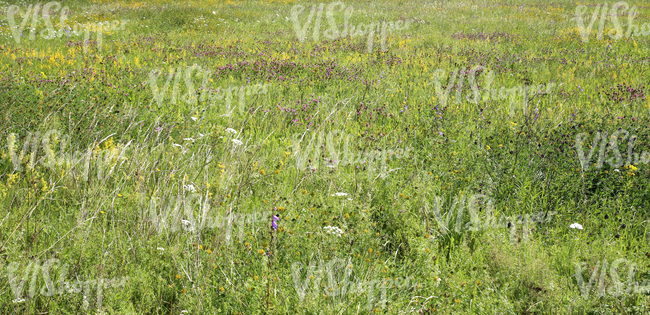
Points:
(160, 248)
(575, 226)
(233, 131)
(333, 230)
(237, 142)
(189, 188)
(339, 194)
(194, 118)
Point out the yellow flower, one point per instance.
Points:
(183, 291)
(178, 276)
(255, 278)
(119, 195)
(457, 300)
(208, 251)
(200, 246)
(370, 250)
(277, 172)
(222, 289)
(261, 252)
(488, 147)
(263, 172)
(102, 212)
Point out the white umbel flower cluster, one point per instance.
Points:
(333, 230)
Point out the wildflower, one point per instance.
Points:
(208, 251)
(263, 172)
(222, 289)
(178, 276)
(340, 194)
(189, 188)
(160, 248)
(333, 230)
(194, 118)
(370, 250)
(260, 251)
(230, 130)
(237, 142)
(575, 226)
(274, 225)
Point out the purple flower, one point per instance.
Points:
(274, 225)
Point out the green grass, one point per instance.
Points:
(100, 221)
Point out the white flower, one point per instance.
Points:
(231, 130)
(350, 199)
(18, 300)
(189, 187)
(340, 194)
(237, 142)
(333, 230)
(194, 118)
(160, 248)
(575, 226)
(213, 12)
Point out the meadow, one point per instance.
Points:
(351, 157)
